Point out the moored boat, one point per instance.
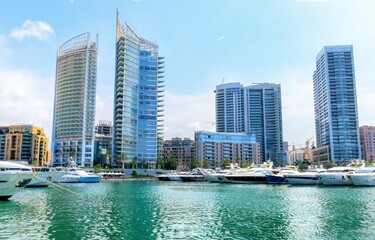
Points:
(194, 176)
(338, 176)
(13, 177)
(77, 175)
(249, 175)
(45, 176)
(280, 177)
(363, 177)
(306, 178)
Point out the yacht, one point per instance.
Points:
(363, 177)
(306, 178)
(214, 176)
(194, 176)
(77, 175)
(45, 176)
(174, 176)
(255, 174)
(280, 177)
(13, 177)
(339, 175)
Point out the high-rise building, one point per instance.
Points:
(367, 136)
(216, 147)
(74, 108)
(138, 100)
(183, 149)
(26, 143)
(335, 103)
(104, 127)
(255, 110)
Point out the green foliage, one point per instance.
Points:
(226, 163)
(194, 163)
(302, 165)
(134, 173)
(206, 164)
(331, 164)
(97, 168)
(171, 163)
(134, 162)
(245, 164)
(160, 163)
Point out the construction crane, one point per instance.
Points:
(308, 149)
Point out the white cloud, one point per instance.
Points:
(26, 98)
(38, 29)
(185, 114)
(220, 38)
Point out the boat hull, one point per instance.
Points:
(303, 179)
(335, 179)
(362, 180)
(246, 179)
(275, 179)
(44, 179)
(11, 183)
(197, 178)
(68, 178)
(89, 179)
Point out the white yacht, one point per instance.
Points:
(214, 175)
(280, 177)
(338, 176)
(306, 178)
(45, 176)
(249, 175)
(13, 177)
(194, 176)
(363, 177)
(77, 175)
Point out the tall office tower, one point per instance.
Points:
(335, 102)
(230, 108)
(74, 109)
(26, 143)
(255, 110)
(138, 111)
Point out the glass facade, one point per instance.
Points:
(74, 107)
(138, 112)
(216, 147)
(256, 110)
(335, 102)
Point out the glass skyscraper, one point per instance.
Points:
(255, 110)
(335, 102)
(74, 106)
(138, 111)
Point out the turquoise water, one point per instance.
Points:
(177, 210)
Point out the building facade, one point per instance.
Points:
(103, 143)
(335, 103)
(74, 108)
(367, 137)
(25, 143)
(216, 147)
(255, 110)
(183, 149)
(139, 96)
(104, 127)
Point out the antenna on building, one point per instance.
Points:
(222, 81)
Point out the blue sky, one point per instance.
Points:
(204, 42)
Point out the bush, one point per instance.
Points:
(134, 173)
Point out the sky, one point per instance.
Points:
(205, 43)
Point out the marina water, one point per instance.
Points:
(177, 210)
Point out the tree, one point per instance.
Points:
(226, 163)
(160, 163)
(97, 168)
(122, 159)
(134, 173)
(108, 157)
(134, 162)
(194, 163)
(245, 164)
(206, 163)
(331, 164)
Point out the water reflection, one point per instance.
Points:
(175, 210)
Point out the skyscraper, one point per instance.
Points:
(74, 107)
(138, 111)
(335, 102)
(255, 110)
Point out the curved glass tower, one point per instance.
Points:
(74, 106)
(138, 100)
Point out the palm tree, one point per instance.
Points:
(134, 162)
(122, 158)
